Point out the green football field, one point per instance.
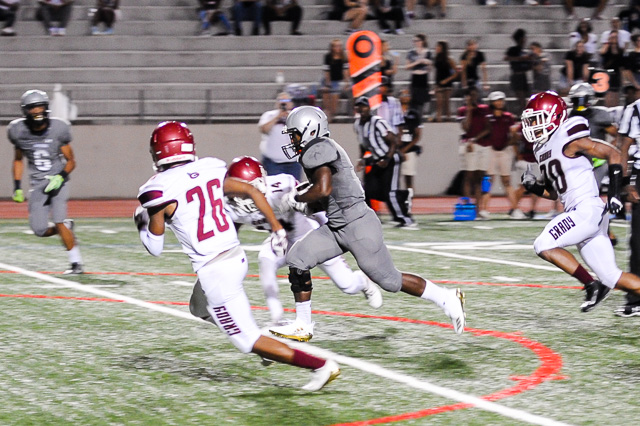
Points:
(118, 346)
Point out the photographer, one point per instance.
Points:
(270, 125)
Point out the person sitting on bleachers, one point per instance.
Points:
(8, 9)
(210, 13)
(55, 11)
(390, 9)
(243, 10)
(282, 10)
(105, 14)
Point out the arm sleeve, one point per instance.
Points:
(153, 243)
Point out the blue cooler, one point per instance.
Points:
(464, 210)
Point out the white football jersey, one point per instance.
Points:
(572, 178)
(295, 223)
(199, 222)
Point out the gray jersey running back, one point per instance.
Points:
(346, 201)
(42, 151)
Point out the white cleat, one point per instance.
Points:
(294, 331)
(455, 310)
(371, 291)
(322, 376)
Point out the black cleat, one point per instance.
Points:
(628, 310)
(76, 269)
(596, 292)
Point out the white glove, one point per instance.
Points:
(279, 242)
(141, 218)
(289, 203)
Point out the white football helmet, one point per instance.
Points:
(304, 124)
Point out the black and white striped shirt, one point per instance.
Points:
(630, 122)
(371, 135)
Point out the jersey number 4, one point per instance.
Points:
(217, 209)
(553, 173)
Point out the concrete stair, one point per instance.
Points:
(156, 66)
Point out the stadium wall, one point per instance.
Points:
(113, 160)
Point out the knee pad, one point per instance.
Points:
(300, 280)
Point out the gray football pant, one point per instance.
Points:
(41, 204)
(362, 238)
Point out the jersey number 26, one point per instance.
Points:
(217, 209)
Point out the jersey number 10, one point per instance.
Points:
(217, 209)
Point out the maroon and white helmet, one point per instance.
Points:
(172, 142)
(247, 169)
(542, 116)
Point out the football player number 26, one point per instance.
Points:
(553, 173)
(217, 209)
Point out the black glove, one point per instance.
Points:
(614, 200)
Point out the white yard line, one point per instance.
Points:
(353, 362)
(474, 258)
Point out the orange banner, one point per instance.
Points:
(365, 56)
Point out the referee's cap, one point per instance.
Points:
(362, 100)
(495, 96)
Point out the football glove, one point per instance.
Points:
(530, 182)
(279, 242)
(289, 202)
(18, 196)
(614, 202)
(141, 218)
(55, 182)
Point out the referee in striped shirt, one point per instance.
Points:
(382, 182)
(628, 135)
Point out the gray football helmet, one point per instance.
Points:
(31, 99)
(581, 95)
(304, 124)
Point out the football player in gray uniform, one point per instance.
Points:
(351, 225)
(44, 143)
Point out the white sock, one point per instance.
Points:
(435, 294)
(74, 255)
(303, 312)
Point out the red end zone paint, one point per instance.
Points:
(550, 361)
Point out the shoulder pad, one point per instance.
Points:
(318, 153)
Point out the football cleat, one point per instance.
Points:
(628, 310)
(266, 362)
(596, 292)
(322, 376)
(371, 291)
(75, 269)
(294, 331)
(69, 223)
(454, 308)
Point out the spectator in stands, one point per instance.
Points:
(210, 13)
(431, 4)
(624, 37)
(355, 12)
(475, 147)
(8, 10)
(390, 9)
(244, 10)
(584, 33)
(503, 153)
(105, 14)
(632, 62)
(576, 68)
(388, 66)
(446, 73)
(541, 68)
(598, 5)
(419, 62)
(55, 11)
(335, 76)
(271, 124)
(473, 68)
(282, 10)
(631, 17)
(520, 61)
(612, 57)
